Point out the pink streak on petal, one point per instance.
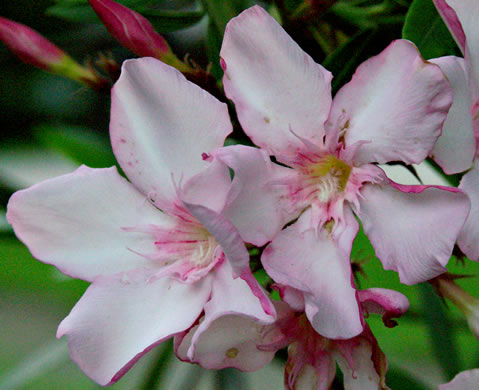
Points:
(452, 22)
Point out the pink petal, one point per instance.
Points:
(465, 380)
(76, 222)
(277, 88)
(231, 330)
(467, 12)
(161, 125)
(255, 205)
(395, 104)
(210, 187)
(314, 263)
(388, 303)
(455, 148)
(363, 375)
(468, 239)
(233, 247)
(119, 320)
(452, 22)
(413, 228)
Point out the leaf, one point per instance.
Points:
(344, 60)
(171, 20)
(221, 11)
(162, 20)
(213, 47)
(441, 331)
(425, 27)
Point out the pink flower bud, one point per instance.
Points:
(135, 32)
(28, 45)
(34, 49)
(447, 288)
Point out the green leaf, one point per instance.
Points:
(171, 20)
(213, 46)
(162, 20)
(221, 11)
(344, 61)
(441, 331)
(425, 27)
(77, 142)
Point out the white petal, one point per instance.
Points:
(395, 104)
(76, 222)
(413, 228)
(277, 88)
(468, 239)
(161, 124)
(118, 320)
(455, 148)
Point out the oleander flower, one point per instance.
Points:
(392, 110)
(241, 342)
(157, 250)
(457, 149)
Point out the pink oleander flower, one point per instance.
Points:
(241, 342)
(458, 148)
(391, 110)
(157, 250)
(465, 380)
(135, 32)
(34, 49)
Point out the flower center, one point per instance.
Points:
(327, 178)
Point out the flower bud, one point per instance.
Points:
(135, 32)
(447, 288)
(34, 49)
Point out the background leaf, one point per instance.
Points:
(425, 27)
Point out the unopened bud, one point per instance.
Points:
(135, 32)
(36, 50)
(447, 288)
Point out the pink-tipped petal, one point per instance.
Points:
(76, 222)
(314, 263)
(161, 126)
(395, 105)
(118, 320)
(210, 187)
(277, 88)
(131, 29)
(388, 303)
(452, 22)
(455, 148)
(465, 380)
(254, 204)
(231, 329)
(468, 239)
(226, 235)
(364, 374)
(413, 228)
(467, 12)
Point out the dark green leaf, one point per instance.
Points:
(171, 20)
(213, 46)
(162, 20)
(344, 61)
(221, 11)
(426, 29)
(441, 331)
